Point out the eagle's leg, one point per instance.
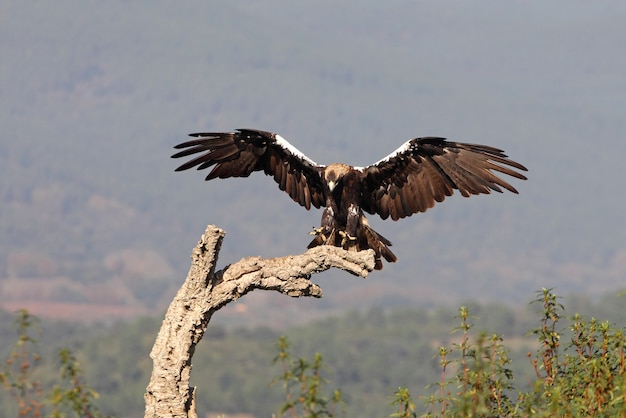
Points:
(352, 222)
(326, 233)
(348, 237)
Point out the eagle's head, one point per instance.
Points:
(334, 173)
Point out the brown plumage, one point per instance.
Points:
(412, 179)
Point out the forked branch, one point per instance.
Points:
(205, 291)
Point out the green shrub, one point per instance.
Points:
(70, 397)
(584, 377)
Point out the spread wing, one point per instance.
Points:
(237, 154)
(424, 171)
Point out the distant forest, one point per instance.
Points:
(370, 351)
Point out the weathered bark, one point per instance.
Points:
(205, 291)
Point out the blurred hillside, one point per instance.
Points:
(94, 223)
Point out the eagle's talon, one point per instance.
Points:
(317, 231)
(345, 238)
(345, 235)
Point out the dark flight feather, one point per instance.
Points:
(426, 170)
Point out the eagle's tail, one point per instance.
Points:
(366, 238)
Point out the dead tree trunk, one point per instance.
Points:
(205, 291)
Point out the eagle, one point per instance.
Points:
(411, 179)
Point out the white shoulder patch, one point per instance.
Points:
(400, 150)
(293, 150)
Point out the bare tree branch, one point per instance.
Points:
(205, 291)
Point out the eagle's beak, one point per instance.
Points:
(331, 185)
